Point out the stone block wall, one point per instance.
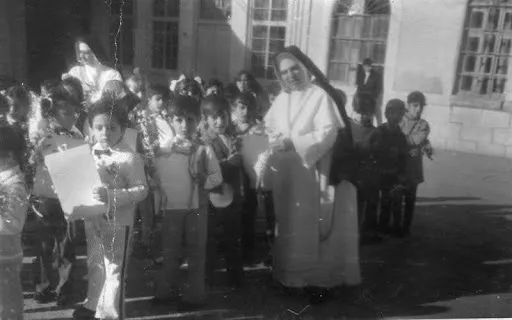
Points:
(480, 131)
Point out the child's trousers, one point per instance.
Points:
(11, 296)
(107, 259)
(409, 195)
(367, 204)
(250, 211)
(225, 229)
(55, 248)
(184, 234)
(391, 205)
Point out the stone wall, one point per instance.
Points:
(470, 130)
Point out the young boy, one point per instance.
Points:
(416, 131)
(187, 169)
(224, 224)
(108, 236)
(244, 112)
(13, 211)
(391, 156)
(365, 135)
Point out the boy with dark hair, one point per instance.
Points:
(416, 131)
(189, 170)
(364, 134)
(391, 157)
(109, 236)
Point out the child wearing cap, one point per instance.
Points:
(416, 131)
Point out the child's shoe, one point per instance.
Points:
(45, 296)
(82, 313)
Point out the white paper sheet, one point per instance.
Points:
(252, 147)
(130, 138)
(74, 177)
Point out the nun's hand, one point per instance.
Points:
(284, 144)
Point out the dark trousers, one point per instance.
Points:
(55, 251)
(253, 201)
(409, 197)
(225, 231)
(390, 206)
(368, 204)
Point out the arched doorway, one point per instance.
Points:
(359, 31)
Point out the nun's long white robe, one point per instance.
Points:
(317, 231)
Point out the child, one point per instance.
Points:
(416, 131)
(108, 236)
(189, 168)
(59, 113)
(391, 156)
(116, 91)
(218, 133)
(245, 123)
(230, 93)
(13, 211)
(367, 182)
(74, 86)
(189, 87)
(214, 87)
(151, 120)
(135, 83)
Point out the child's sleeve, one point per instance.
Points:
(13, 210)
(419, 135)
(137, 189)
(214, 174)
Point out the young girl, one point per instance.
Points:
(245, 81)
(218, 133)
(59, 113)
(13, 211)
(151, 120)
(244, 115)
(189, 87)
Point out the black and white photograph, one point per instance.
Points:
(255, 159)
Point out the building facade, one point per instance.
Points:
(457, 52)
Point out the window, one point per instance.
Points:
(166, 15)
(359, 31)
(486, 49)
(218, 10)
(121, 31)
(269, 19)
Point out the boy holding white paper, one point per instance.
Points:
(108, 236)
(57, 133)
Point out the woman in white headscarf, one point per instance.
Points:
(316, 244)
(92, 69)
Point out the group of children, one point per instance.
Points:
(188, 149)
(390, 166)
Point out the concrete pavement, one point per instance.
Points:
(458, 262)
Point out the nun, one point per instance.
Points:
(316, 243)
(92, 69)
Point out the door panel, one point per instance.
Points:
(213, 51)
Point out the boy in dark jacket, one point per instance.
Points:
(391, 155)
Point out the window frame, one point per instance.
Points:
(268, 24)
(226, 21)
(352, 65)
(164, 19)
(489, 99)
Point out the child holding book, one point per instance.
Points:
(59, 113)
(109, 235)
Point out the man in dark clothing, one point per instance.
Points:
(369, 86)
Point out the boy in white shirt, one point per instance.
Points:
(191, 169)
(108, 236)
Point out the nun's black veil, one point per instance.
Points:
(343, 162)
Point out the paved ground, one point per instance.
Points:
(457, 264)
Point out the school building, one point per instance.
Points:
(457, 52)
